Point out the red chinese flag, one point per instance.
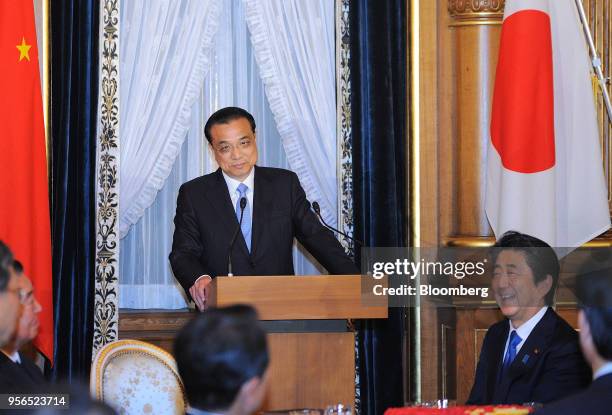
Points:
(24, 198)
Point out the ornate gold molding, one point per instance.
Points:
(485, 242)
(476, 12)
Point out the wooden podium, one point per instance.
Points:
(312, 348)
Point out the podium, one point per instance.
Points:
(311, 343)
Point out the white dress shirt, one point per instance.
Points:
(525, 329)
(606, 369)
(14, 357)
(232, 188)
(195, 411)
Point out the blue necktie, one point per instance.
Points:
(515, 339)
(246, 216)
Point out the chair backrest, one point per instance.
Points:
(136, 377)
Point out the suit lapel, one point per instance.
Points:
(32, 370)
(603, 383)
(496, 359)
(262, 202)
(219, 197)
(530, 352)
(15, 374)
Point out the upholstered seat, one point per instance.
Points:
(136, 377)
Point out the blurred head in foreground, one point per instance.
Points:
(9, 295)
(222, 357)
(77, 401)
(27, 325)
(594, 292)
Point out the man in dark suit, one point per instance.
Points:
(276, 210)
(595, 322)
(222, 357)
(533, 355)
(18, 373)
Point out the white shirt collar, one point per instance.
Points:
(526, 328)
(232, 184)
(195, 411)
(606, 369)
(14, 357)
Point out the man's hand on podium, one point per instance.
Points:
(199, 291)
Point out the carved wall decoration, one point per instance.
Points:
(343, 105)
(106, 312)
(467, 12)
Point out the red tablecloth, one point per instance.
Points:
(462, 410)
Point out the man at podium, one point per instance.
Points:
(244, 215)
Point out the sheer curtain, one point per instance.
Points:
(164, 57)
(146, 280)
(294, 47)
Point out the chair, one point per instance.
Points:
(135, 377)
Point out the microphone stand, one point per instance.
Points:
(243, 203)
(317, 210)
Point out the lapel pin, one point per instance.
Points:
(536, 351)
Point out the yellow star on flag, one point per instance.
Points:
(24, 50)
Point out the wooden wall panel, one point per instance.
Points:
(598, 13)
(456, 43)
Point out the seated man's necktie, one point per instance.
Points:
(515, 339)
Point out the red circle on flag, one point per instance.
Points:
(522, 116)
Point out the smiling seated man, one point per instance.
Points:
(18, 373)
(533, 355)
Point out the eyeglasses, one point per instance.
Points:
(26, 297)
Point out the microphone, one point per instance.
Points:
(243, 203)
(317, 209)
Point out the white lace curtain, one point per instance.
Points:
(146, 280)
(164, 57)
(294, 48)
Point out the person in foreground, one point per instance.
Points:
(222, 357)
(274, 211)
(9, 295)
(532, 355)
(17, 372)
(595, 322)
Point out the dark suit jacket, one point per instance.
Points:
(596, 400)
(25, 377)
(548, 367)
(205, 221)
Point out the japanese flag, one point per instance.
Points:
(544, 166)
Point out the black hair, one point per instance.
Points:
(81, 402)
(224, 116)
(6, 260)
(594, 292)
(540, 257)
(217, 352)
(18, 266)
